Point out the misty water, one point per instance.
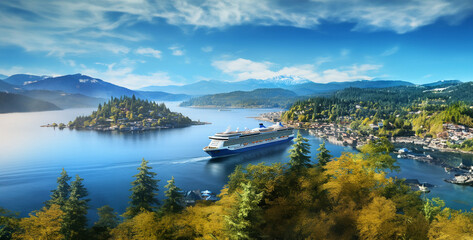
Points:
(31, 158)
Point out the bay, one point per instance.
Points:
(31, 158)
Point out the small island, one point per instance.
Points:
(129, 114)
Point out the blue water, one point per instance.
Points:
(32, 157)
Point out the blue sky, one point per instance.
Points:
(140, 43)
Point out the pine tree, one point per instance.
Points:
(246, 216)
(173, 203)
(143, 193)
(60, 195)
(324, 155)
(107, 218)
(75, 209)
(299, 154)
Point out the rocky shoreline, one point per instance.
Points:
(134, 127)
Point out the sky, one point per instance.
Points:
(138, 43)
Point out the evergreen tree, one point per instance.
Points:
(60, 195)
(107, 217)
(246, 217)
(299, 153)
(235, 179)
(108, 220)
(324, 155)
(143, 193)
(75, 209)
(173, 203)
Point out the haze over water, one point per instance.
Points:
(31, 158)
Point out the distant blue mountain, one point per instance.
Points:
(3, 76)
(22, 79)
(443, 83)
(6, 87)
(80, 84)
(299, 87)
(10, 102)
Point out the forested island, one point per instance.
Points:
(349, 197)
(129, 114)
(259, 98)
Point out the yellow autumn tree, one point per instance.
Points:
(378, 220)
(350, 178)
(206, 219)
(42, 225)
(142, 226)
(450, 224)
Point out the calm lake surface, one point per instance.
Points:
(31, 158)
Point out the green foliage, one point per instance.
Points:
(323, 156)
(60, 195)
(432, 208)
(107, 217)
(246, 216)
(299, 154)
(173, 203)
(235, 179)
(266, 97)
(143, 193)
(377, 155)
(8, 223)
(118, 111)
(75, 209)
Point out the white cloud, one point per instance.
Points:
(149, 52)
(123, 75)
(207, 49)
(63, 27)
(398, 16)
(176, 50)
(243, 69)
(390, 51)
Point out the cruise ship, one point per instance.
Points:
(233, 142)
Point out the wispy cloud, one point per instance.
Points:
(123, 74)
(61, 27)
(243, 69)
(176, 50)
(149, 52)
(344, 52)
(398, 16)
(207, 49)
(390, 51)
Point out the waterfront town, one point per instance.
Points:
(342, 134)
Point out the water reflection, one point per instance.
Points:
(222, 167)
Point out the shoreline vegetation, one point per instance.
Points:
(129, 114)
(302, 199)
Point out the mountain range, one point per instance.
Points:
(258, 98)
(300, 87)
(78, 90)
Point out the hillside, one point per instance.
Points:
(259, 98)
(6, 87)
(80, 84)
(22, 79)
(10, 102)
(299, 87)
(64, 100)
(450, 91)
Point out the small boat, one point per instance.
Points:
(423, 188)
